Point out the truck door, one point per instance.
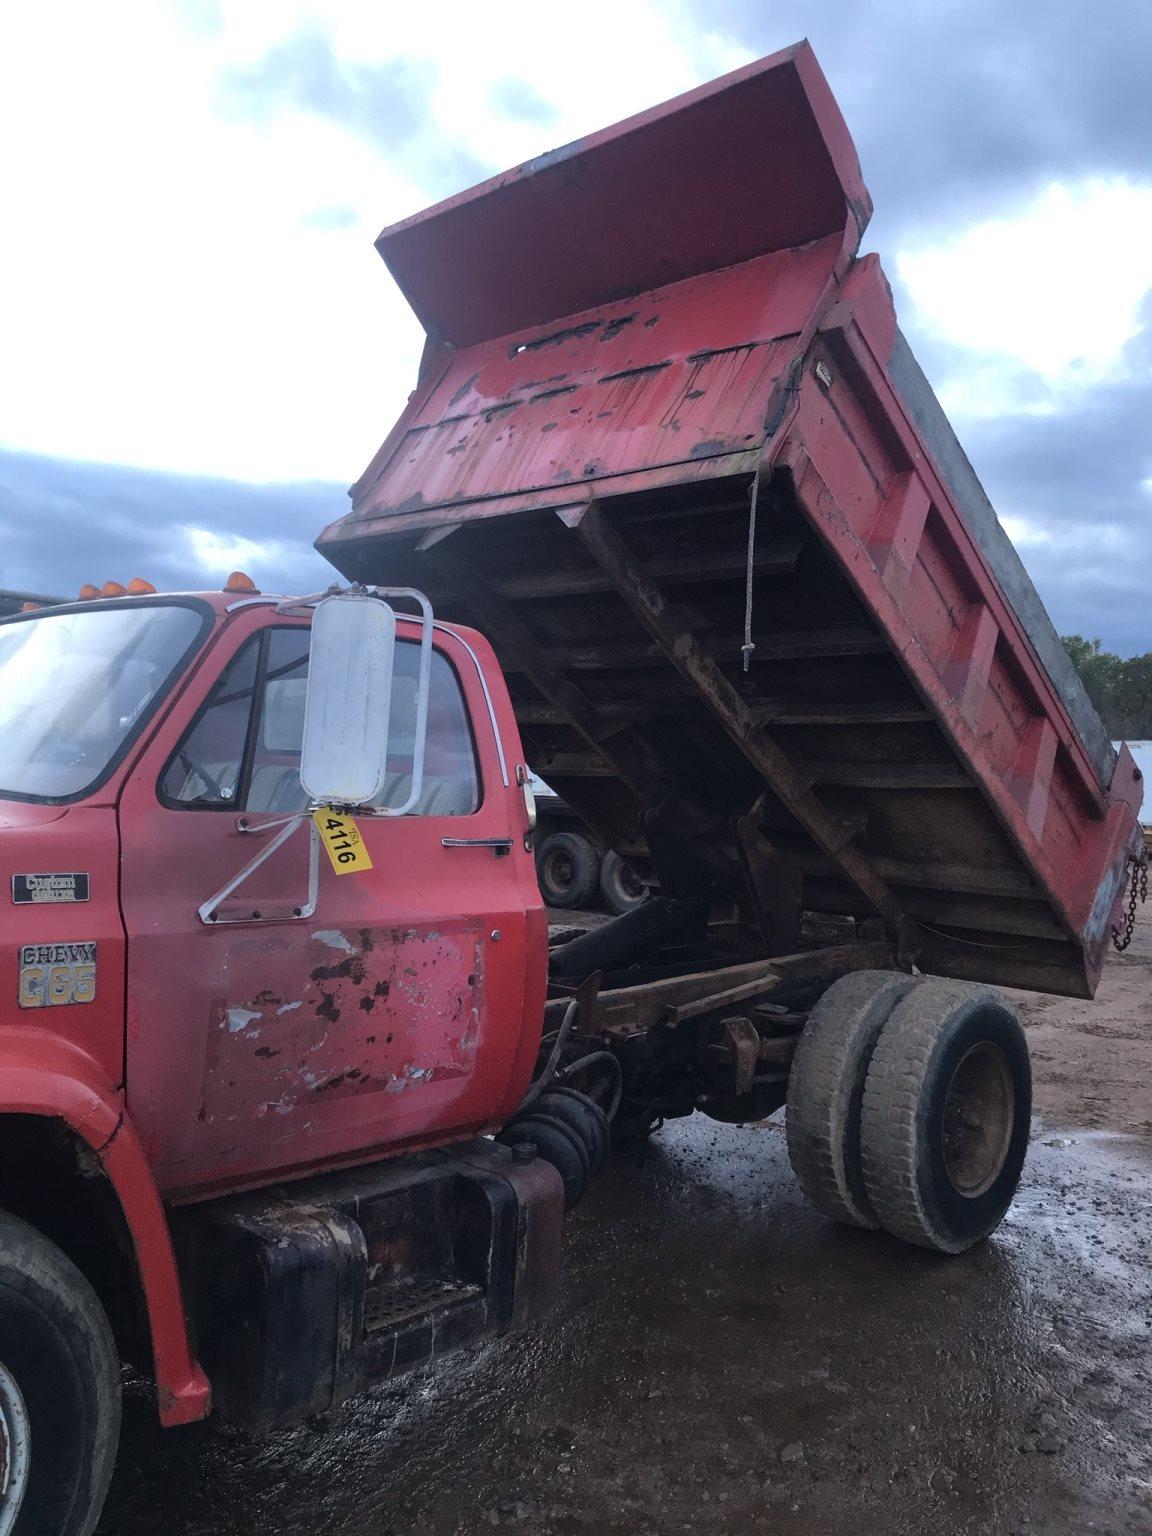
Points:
(394, 1013)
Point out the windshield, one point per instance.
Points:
(75, 687)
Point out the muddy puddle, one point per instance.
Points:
(726, 1360)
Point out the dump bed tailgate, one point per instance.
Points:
(670, 452)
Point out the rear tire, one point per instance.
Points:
(946, 1116)
(826, 1091)
(56, 1347)
(620, 885)
(568, 869)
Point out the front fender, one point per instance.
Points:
(40, 1074)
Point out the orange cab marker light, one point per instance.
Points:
(114, 589)
(88, 592)
(29, 607)
(238, 582)
(138, 587)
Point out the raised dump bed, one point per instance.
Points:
(662, 396)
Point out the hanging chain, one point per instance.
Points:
(749, 644)
(1137, 892)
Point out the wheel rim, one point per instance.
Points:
(560, 872)
(631, 884)
(15, 1450)
(979, 1114)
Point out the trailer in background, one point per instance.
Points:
(576, 868)
(1142, 756)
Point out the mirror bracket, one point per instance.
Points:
(209, 912)
(423, 689)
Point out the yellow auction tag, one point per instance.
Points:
(341, 836)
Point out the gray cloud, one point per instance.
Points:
(1076, 478)
(386, 104)
(63, 523)
(334, 217)
(516, 98)
(962, 106)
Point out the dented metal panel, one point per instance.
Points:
(677, 377)
(405, 1011)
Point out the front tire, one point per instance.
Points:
(59, 1389)
(946, 1116)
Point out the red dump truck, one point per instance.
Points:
(292, 1093)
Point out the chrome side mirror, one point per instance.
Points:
(344, 756)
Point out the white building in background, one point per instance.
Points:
(1142, 752)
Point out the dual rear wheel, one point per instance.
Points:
(909, 1106)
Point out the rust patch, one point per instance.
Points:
(494, 412)
(614, 327)
(465, 389)
(352, 969)
(635, 373)
(707, 353)
(554, 338)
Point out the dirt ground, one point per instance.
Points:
(725, 1360)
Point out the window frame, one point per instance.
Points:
(209, 702)
(261, 640)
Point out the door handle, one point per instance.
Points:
(499, 845)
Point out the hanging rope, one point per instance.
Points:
(749, 644)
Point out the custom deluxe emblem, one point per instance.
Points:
(54, 974)
(49, 888)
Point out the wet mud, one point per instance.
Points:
(725, 1360)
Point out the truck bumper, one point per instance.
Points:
(303, 1296)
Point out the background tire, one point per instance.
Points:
(56, 1344)
(946, 1117)
(826, 1091)
(620, 885)
(568, 869)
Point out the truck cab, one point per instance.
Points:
(196, 1001)
(293, 1027)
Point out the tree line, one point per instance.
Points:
(1120, 687)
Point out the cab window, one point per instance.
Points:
(242, 752)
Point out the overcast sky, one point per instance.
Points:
(201, 349)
